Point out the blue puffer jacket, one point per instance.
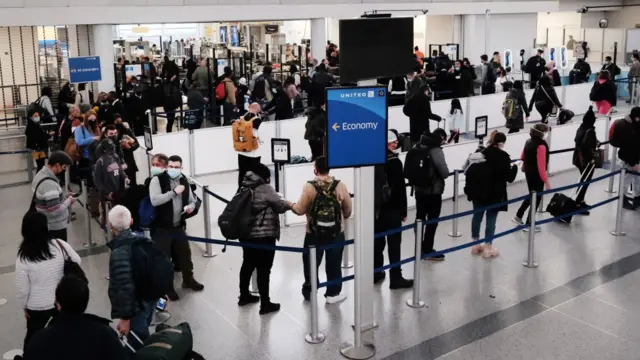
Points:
(122, 289)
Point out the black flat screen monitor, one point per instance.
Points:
(375, 48)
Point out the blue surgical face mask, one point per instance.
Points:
(156, 170)
(174, 173)
(36, 119)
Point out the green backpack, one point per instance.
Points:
(510, 108)
(325, 215)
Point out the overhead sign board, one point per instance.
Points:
(356, 126)
(84, 69)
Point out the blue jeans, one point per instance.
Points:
(476, 221)
(332, 264)
(140, 323)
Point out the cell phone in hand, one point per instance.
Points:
(162, 304)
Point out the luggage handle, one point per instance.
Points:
(125, 342)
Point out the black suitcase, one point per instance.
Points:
(560, 205)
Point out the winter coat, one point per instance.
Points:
(395, 179)
(629, 152)
(108, 175)
(418, 109)
(76, 337)
(127, 154)
(122, 288)
(267, 205)
(502, 172)
(535, 67)
(316, 125)
(439, 164)
(521, 101)
(586, 144)
(37, 137)
(544, 98)
(604, 91)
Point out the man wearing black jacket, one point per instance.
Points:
(535, 68)
(391, 213)
(612, 68)
(418, 109)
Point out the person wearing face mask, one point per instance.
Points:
(117, 107)
(612, 68)
(48, 197)
(173, 199)
(391, 212)
(428, 191)
(469, 76)
(109, 176)
(535, 158)
(37, 139)
(488, 171)
(128, 144)
(86, 134)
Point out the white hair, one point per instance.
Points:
(120, 218)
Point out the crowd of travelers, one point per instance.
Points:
(95, 145)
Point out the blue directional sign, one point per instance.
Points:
(356, 126)
(84, 69)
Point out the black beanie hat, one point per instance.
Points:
(635, 113)
(589, 117)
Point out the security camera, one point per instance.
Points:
(583, 10)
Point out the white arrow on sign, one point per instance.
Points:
(336, 127)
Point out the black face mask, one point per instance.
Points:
(114, 138)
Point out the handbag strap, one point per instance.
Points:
(548, 97)
(35, 191)
(64, 251)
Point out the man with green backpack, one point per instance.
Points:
(327, 203)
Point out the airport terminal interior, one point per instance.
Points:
(563, 287)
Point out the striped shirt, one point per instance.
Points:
(36, 282)
(50, 200)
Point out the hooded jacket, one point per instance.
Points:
(604, 91)
(629, 152)
(108, 175)
(76, 337)
(394, 177)
(502, 172)
(316, 125)
(521, 101)
(440, 164)
(585, 140)
(122, 288)
(37, 137)
(418, 109)
(267, 205)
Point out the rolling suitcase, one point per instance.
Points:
(561, 204)
(167, 343)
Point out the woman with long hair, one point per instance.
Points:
(39, 269)
(545, 99)
(604, 93)
(455, 121)
(535, 157)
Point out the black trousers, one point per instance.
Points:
(428, 207)
(332, 265)
(388, 220)
(58, 234)
(171, 116)
(173, 242)
(587, 175)
(259, 260)
(317, 148)
(544, 111)
(534, 183)
(37, 320)
(512, 131)
(244, 164)
(228, 113)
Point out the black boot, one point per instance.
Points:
(268, 307)
(189, 282)
(400, 283)
(378, 277)
(173, 296)
(246, 299)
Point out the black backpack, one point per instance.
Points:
(419, 168)
(491, 75)
(36, 107)
(325, 215)
(478, 181)
(237, 216)
(152, 269)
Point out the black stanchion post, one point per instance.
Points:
(277, 170)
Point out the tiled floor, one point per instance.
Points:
(476, 309)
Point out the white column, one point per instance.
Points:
(318, 38)
(103, 42)
(458, 32)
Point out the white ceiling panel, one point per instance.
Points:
(46, 3)
(201, 2)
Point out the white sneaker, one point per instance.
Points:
(516, 220)
(537, 229)
(336, 299)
